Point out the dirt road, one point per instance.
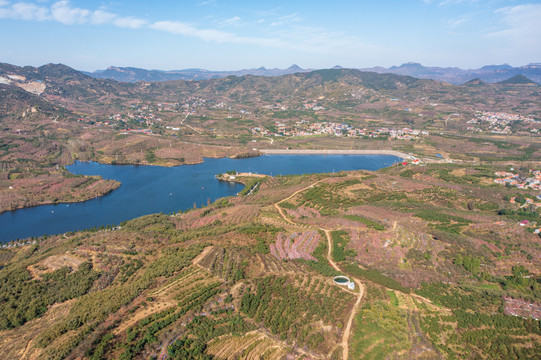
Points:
(344, 343)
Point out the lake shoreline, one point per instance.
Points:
(333, 152)
(63, 200)
(153, 189)
(259, 153)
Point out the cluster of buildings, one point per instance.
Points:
(412, 161)
(171, 107)
(304, 128)
(219, 105)
(276, 107)
(527, 201)
(402, 134)
(496, 122)
(139, 121)
(312, 105)
(140, 118)
(532, 182)
(194, 102)
(306, 105)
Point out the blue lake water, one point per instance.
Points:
(154, 189)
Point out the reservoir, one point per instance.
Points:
(153, 189)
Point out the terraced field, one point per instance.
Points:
(253, 345)
(295, 246)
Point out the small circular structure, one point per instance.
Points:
(341, 280)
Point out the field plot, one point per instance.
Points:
(523, 308)
(190, 295)
(263, 265)
(171, 294)
(295, 246)
(407, 256)
(253, 345)
(389, 329)
(475, 326)
(21, 343)
(303, 212)
(271, 182)
(324, 287)
(305, 316)
(227, 264)
(209, 216)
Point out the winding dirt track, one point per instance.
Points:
(347, 330)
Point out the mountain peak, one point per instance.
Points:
(55, 66)
(496, 67)
(294, 67)
(517, 80)
(411, 65)
(59, 70)
(474, 82)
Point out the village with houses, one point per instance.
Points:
(305, 128)
(502, 123)
(514, 179)
(139, 119)
(532, 182)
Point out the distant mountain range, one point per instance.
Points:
(131, 74)
(60, 83)
(452, 75)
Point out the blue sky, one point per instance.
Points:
(230, 35)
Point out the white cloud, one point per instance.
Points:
(521, 23)
(205, 3)
(456, 22)
(64, 13)
(174, 27)
(455, 2)
(283, 32)
(102, 17)
(209, 35)
(286, 19)
(519, 36)
(23, 11)
(129, 22)
(231, 21)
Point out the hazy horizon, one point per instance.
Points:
(216, 35)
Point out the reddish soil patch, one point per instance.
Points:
(522, 308)
(295, 246)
